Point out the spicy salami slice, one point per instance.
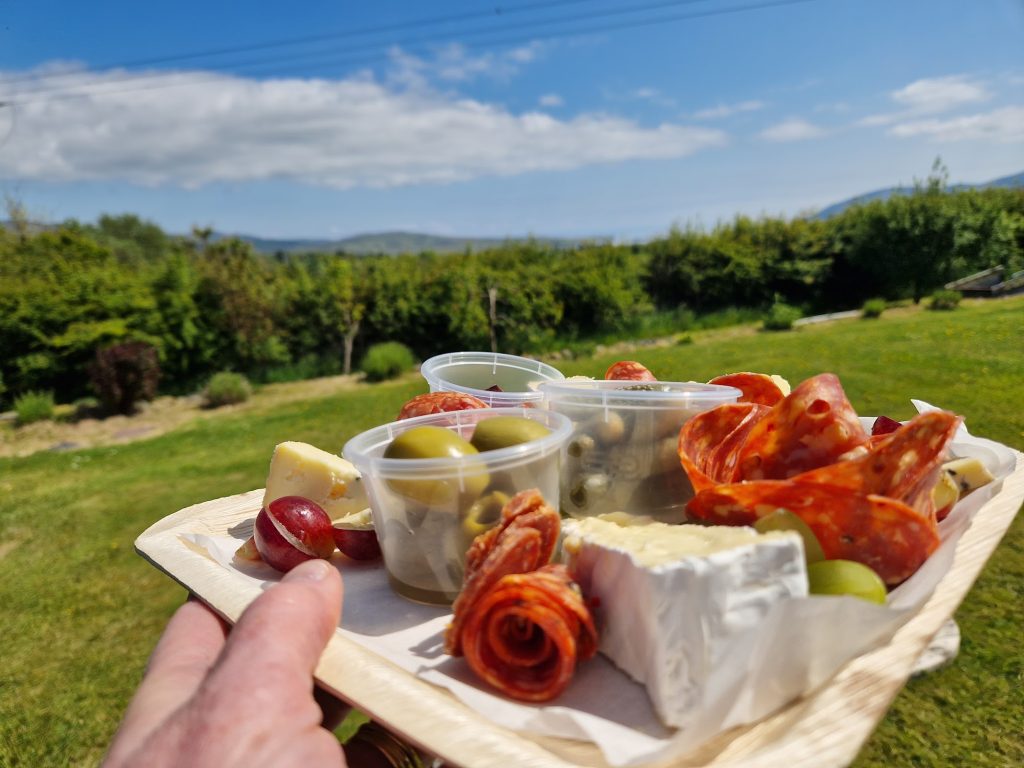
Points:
(523, 541)
(439, 402)
(904, 466)
(628, 370)
(709, 442)
(757, 388)
(884, 534)
(527, 632)
(811, 427)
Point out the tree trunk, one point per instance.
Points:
(350, 340)
(492, 317)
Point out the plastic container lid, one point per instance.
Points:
(657, 395)
(366, 450)
(473, 372)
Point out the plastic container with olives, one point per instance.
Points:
(499, 380)
(623, 452)
(433, 486)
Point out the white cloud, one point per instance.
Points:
(931, 96)
(727, 110)
(1004, 125)
(453, 63)
(940, 94)
(794, 129)
(550, 100)
(192, 128)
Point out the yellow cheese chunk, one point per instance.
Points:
(300, 469)
(968, 474)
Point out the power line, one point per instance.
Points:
(349, 60)
(323, 37)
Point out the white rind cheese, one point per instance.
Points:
(669, 597)
(300, 469)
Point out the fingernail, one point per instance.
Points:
(311, 570)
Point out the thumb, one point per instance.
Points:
(284, 631)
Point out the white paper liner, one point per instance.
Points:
(828, 631)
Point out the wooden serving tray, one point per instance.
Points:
(825, 728)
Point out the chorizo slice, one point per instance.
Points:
(709, 442)
(884, 534)
(757, 388)
(527, 632)
(628, 370)
(439, 402)
(811, 427)
(904, 466)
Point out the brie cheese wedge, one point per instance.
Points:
(669, 597)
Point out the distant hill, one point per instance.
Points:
(1015, 180)
(391, 243)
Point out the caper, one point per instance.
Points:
(504, 431)
(580, 446)
(609, 428)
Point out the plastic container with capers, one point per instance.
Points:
(623, 453)
(433, 488)
(499, 380)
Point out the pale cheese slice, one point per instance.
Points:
(300, 469)
(670, 597)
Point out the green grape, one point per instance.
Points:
(784, 520)
(845, 577)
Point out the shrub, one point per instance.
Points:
(34, 406)
(873, 308)
(226, 388)
(387, 361)
(86, 408)
(124, 374)
(781, 317)
(943, 299)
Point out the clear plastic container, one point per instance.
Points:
(475, 372)
(427, 511)
(623, 453)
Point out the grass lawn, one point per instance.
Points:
(80, 611)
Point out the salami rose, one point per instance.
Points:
(628, 370)
(439, 402)
(884, 534)
(523, 541)
(810, 428)
(526, 633)
(757, 388)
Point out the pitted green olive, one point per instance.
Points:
(429, 442)
(504, 431)
(484, 513)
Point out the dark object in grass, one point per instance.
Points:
(124, 374)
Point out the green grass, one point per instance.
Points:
(80, 611)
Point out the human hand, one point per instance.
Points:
(210, 698)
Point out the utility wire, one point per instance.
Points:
(315, 57)
(348, 60)
(324, 37)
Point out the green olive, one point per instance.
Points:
(484, 513)
(784, 520)
(437, 443)
(846, 577)
(504, 431)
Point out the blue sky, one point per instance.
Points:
(569, 118)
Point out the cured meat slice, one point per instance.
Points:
(523, 541)
(813, 426)
(884, 534)
(526, 633)
(439, 402)
(628, 370)
(709, 442)
(904, 466)
(757, 388)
